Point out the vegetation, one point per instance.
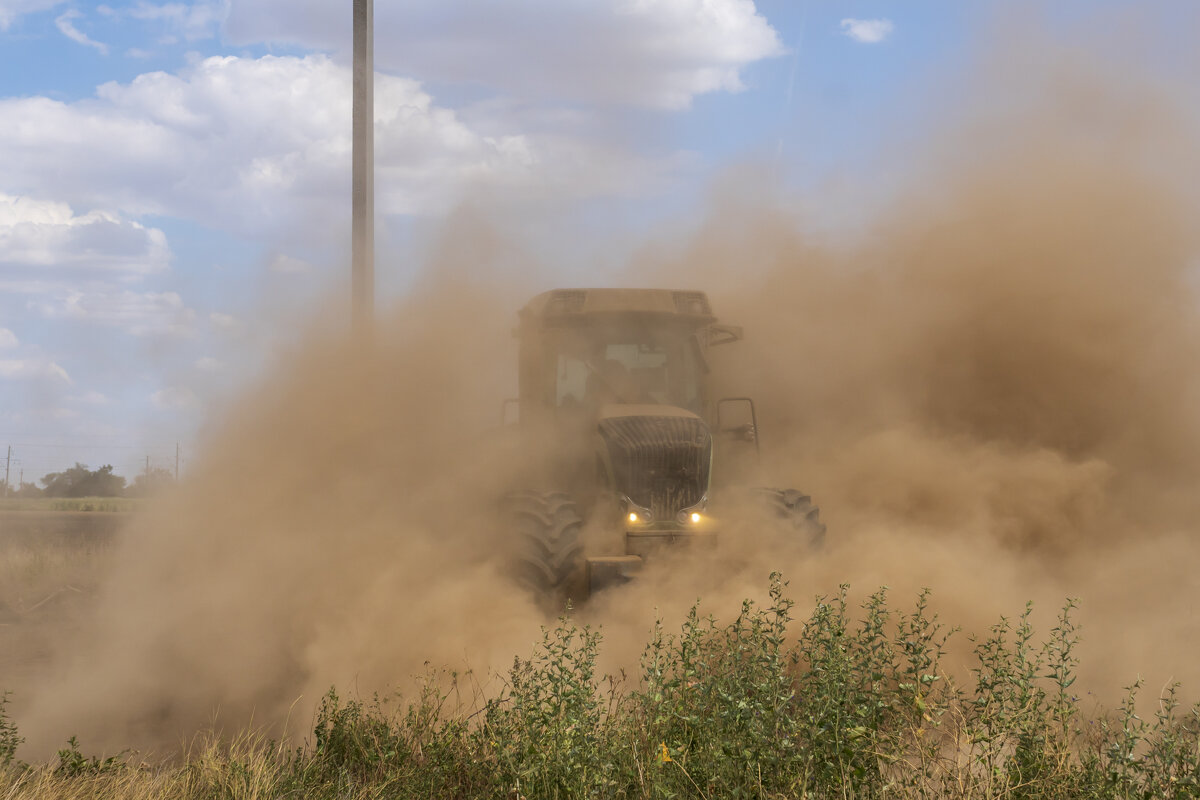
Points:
(852, 704)
(150, 482)
(71, 504)
(80, 482)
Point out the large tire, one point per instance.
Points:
(549, 554)
(801, 517)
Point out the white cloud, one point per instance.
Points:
(867, 31)
(32, 368)
(92, 398)
(209, 364)
(223, 320)
(654, 53)
(198, 20)
(62, 413)
(226, 324)
(285, 264)
(175, 397)
(68, 29)
(258, 146)
(136, 313)
(11, 9)
(8, 339)
(49, 235)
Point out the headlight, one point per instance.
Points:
(635, 514)
(693, 515)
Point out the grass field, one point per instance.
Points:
(51, 564)
(46, 522)
(91, 504)
(850, 702)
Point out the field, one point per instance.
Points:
(843, 702)
(71, 504)
(85, 523)
(53, 554)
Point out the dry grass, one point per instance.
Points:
(34, 575)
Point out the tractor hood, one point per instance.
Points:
(615, 411)
(660, 457)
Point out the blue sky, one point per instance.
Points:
(175, 180)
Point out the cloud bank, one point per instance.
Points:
(45, 236)
(648, 53)
(10, 10)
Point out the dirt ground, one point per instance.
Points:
(51, 565)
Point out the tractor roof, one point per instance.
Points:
(560, 304)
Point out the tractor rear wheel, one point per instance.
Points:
(802, 517)
(547, 527)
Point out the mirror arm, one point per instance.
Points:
(753, 417)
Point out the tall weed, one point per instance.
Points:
(9, 738)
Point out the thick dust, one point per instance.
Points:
(991, 391)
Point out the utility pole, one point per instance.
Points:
(7, 464)
(362, 189)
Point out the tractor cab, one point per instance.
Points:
(582, 349)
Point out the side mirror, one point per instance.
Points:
(724, 334)
(741, 433)
(746, 432)
(512, 401)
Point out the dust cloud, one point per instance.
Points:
(990, 389)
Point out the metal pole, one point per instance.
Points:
(363, 168)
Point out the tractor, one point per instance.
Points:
(616, 399)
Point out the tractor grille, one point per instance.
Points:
(660, 463)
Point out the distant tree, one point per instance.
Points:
(79, 481)
(152, 482)
(27, 489)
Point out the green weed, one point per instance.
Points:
(9, 739)
(849, 703)
(72, 763)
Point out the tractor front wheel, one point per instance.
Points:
(546, 527)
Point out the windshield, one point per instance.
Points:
(627, 364)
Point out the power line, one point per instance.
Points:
(80, 446)
(45, 458)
